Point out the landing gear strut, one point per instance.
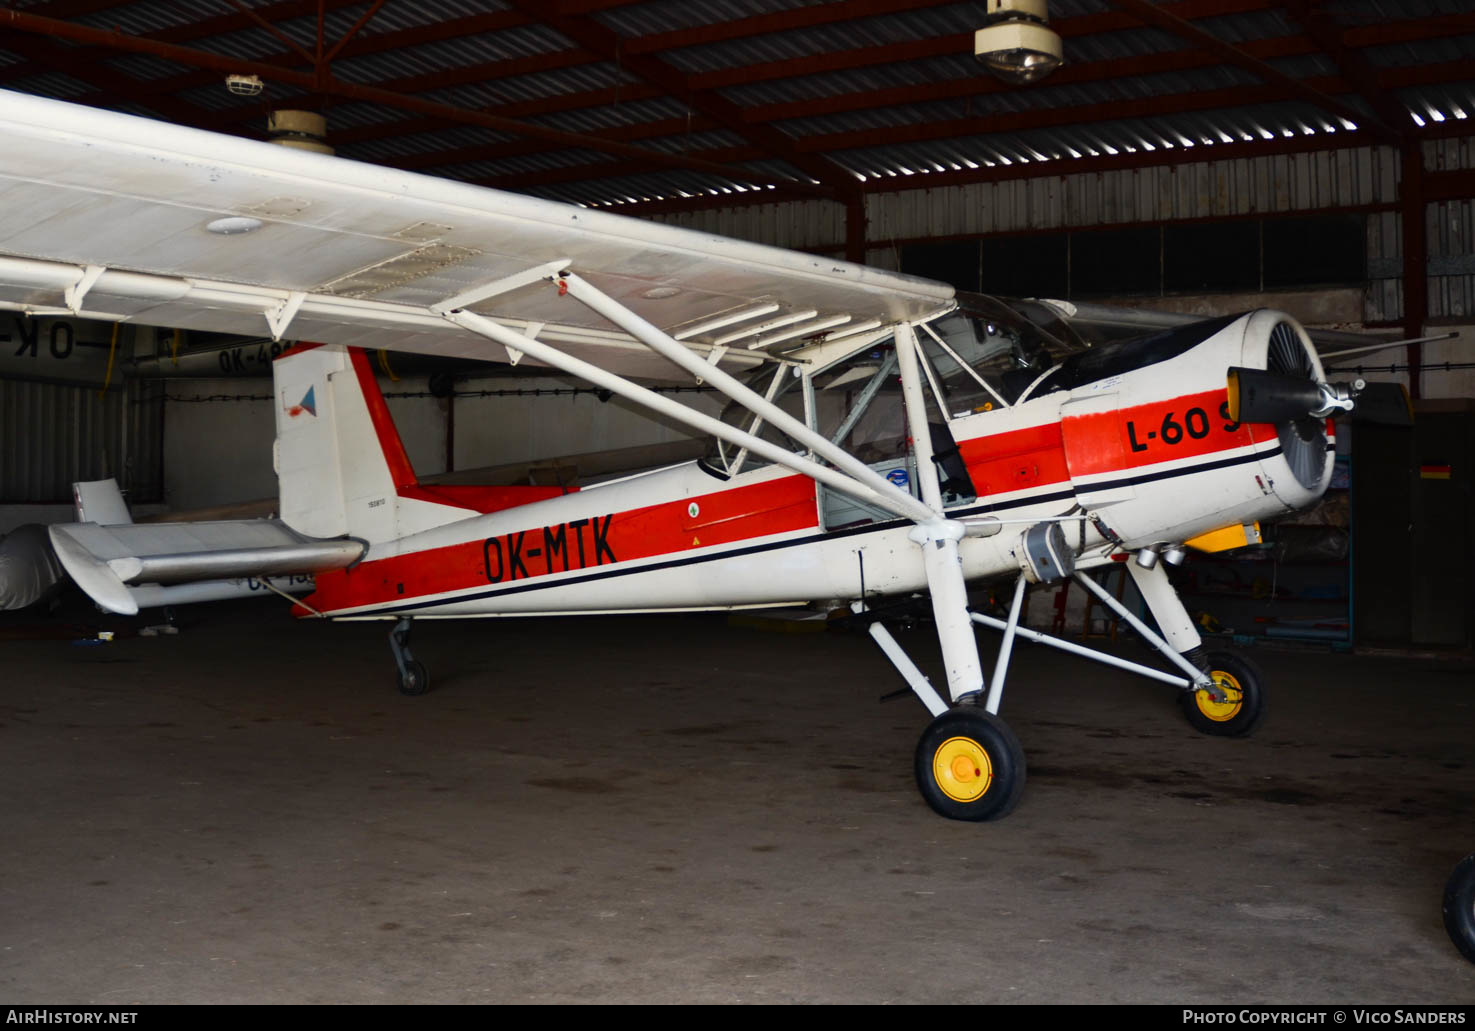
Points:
(413, 679)
(970, 766)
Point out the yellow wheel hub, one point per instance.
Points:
(962, 769)
(1221, 712)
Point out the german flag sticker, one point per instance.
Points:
(1433, 472)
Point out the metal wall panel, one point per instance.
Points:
(798, 225)
(1443, 155)
(1316, 181)
(52, 435)
(1214, 189)
(1451, 228)
(1384, 267)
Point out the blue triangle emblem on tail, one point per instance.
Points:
(308, 402)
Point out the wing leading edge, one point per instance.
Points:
(117, 217)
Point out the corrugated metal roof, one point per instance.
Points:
(446, 56)
(1428, 51)
(649, 19)
(826, 83)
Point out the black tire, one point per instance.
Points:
(969, 765)
(414, 680)
(1459, 907)
(1244, 683)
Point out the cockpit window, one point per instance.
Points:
(987, 353)
(857, 404)
(777, 384)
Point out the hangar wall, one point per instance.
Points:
(218, 433)
(1357, 180)
(1324, 180)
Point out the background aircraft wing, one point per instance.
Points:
(111, 216)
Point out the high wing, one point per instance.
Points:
(119, 218)
(115, 217)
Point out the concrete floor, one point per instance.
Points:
(668, 809)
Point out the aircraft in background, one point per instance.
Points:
(31, 575)
(884, 436)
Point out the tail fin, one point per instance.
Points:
(101, 502)
(340, 462)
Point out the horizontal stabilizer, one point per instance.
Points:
(104, 560)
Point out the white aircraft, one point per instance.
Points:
(884, 437)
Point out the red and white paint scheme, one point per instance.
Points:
(1150, 454)
(884, 437)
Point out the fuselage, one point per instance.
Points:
(1137, 441)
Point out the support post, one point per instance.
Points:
(1415, 259)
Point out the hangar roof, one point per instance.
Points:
(680, 103)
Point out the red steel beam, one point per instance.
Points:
(1288, 46)
(1184, 29)
(1353, 65)
(323, 83)
(1013, 121)
(1145, 108)
(676, 84)
(1456, 184)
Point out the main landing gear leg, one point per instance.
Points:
(413, 679)
(968, 763)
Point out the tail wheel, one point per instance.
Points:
(1459, 907)
(414, 680)
(1243, 707)
(969, 765)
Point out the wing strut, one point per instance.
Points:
(935, 534)
(663, 405)
(900, 502)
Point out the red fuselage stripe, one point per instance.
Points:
(724, 517)
(1032, 457)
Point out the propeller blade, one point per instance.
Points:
(1259, 396)
(1385, 404)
